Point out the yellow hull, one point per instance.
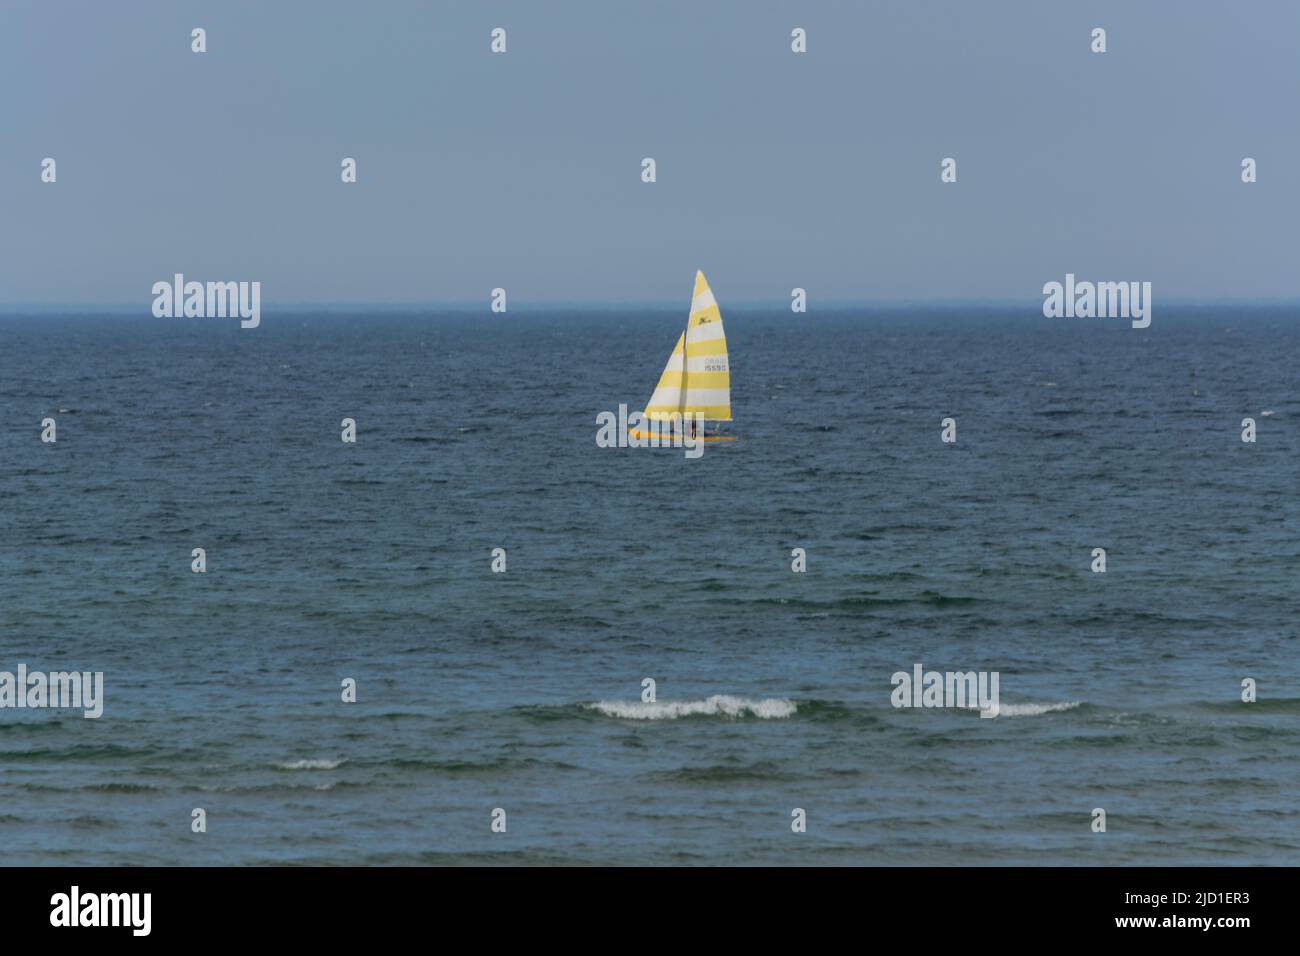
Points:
(648, 435)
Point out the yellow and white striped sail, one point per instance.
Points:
(697, 379)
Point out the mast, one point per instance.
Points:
(681, 401)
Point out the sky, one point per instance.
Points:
(522, 170)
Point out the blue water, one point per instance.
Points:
(475, 690)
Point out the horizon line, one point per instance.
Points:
(547, 305)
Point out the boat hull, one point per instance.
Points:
(708, 438)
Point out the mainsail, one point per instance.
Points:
(697, 379)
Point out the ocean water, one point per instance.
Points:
(522, 690)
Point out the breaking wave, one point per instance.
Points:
(719, 705)
(1033, 710)
(312, 764)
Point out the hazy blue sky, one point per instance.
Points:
(775, 170)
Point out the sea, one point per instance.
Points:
(502, 717)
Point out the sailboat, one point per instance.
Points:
(697, 379)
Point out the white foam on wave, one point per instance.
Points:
(312, 764)
(723, 705)
(1033, 710)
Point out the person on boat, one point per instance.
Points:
(692, 426)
